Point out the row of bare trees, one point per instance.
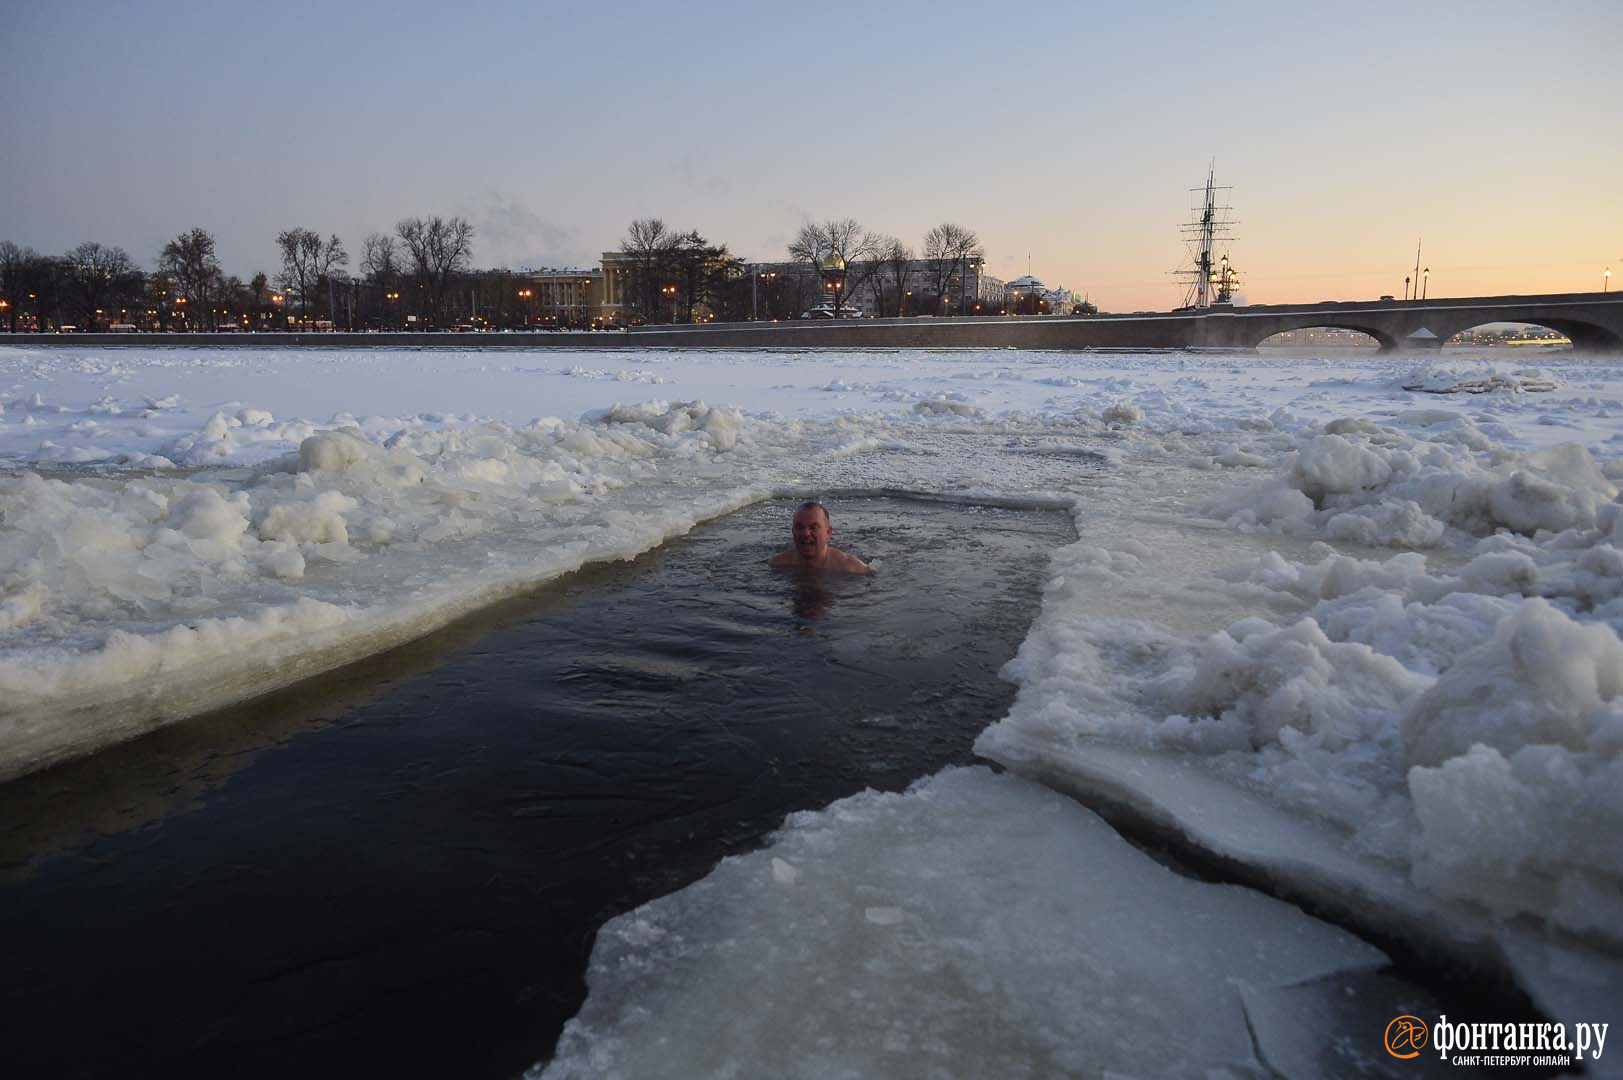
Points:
(406, 274)
(411, 273)
(882, 267)
(99, 284)
(420, 275)
(676, 276)
(670, 275)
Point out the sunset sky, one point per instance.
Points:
(1066, 132)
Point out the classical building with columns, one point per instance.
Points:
(567, 297)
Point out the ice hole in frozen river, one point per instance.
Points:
(404, 862)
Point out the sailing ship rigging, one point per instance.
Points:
(1209, 280)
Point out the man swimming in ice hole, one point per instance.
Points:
(811, 550)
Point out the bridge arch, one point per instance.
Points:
(1585, 336)
(1591, 322)
(1349, 337)
(1326, 321)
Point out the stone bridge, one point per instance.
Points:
(1592, 321)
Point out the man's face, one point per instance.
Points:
(811, 533)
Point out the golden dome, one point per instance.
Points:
(834, 262)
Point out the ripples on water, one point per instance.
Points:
(399, 869)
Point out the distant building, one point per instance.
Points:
(669, 279)
(617, 306)
(1029, 296)
(1025, 287)
(603, 296)
(565, 297)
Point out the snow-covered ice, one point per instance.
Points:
(1056, 949)
(1360, 638)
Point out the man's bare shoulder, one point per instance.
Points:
(835, 562)
(845, 563)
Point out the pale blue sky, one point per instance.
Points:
(1067, 131)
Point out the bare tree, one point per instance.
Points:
(439, 249)
(258, 285)
(299, 248)
(45, 279)
(703, 273)
(843, 240)
(330, 268)
(95, 275)
(32, 281)
(14, 262)
(382, 265)
(950, 249)
(652, 248)
(338, 283)
(308, 262)
(380, 259)
(235, 298)
(892, 261)
(189, 262)
(155, 297)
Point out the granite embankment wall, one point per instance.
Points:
(1593, 321)
(1050, 332)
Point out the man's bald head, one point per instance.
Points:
(812, 551)
(812, 531)
(813, 504)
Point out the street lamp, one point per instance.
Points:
(755, 285)
(1425, 280)
(1406, 287)
(833, 270)
(1416, 295)
(1225, 280)
(1605, 280)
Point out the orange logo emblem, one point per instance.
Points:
(1406, 1033)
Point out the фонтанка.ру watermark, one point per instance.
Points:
(1481, 1044)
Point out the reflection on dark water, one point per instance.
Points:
(170, 770)
(400, 868)
(814, 599)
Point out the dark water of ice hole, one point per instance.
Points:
(399, 869)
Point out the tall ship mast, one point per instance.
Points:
(1207, 280)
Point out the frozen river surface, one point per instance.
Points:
(1347, 635)
(424, 843)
